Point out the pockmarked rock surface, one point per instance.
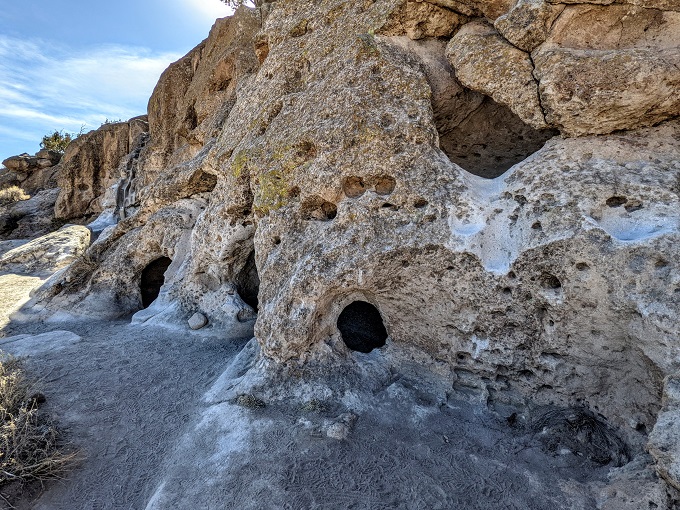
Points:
(90, 166)
(512, 223)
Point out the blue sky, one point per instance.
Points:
(71, 63)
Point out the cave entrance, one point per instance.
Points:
(248, 282)
(490, 139)
(362, 327)
(153, 277)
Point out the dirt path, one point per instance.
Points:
(123, 395)
(131, 397)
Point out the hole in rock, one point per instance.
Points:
(550, 281)
(316, 208)
(385, 184)
(419, 203)
(616, 201)
(353, 186)
(489, 140)
(361, 327)
(153, 277)
(247, 282)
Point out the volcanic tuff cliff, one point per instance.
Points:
(500, 180)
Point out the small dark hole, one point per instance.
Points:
(551, 281)
(582, 266)
(507, 291)
(616, 201)
(512, 275)
(537, 226)
(420, 203)
(277, 240)
(361, 327)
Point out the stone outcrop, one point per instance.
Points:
(29, 218)
(582, 69)
(484, 61)
(31, 173)
(48, 253)
(36, 177)
(90, 166)
(311, 155)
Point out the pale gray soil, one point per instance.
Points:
(126, 395)
(123, 396)
(130, 397)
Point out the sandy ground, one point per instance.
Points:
(131, 398)
(14, 293)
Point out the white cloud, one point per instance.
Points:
(212, 9)
(43, 87)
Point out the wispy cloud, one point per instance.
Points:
(45, 87)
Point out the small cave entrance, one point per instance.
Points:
(489, 140)
(247, 282)
(362, 327)
(153, 277)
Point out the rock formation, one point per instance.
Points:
(497, 182)
(37, 177)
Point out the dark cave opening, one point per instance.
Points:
(247, 282)
(490, 139)
(362, 327)
(153, 277)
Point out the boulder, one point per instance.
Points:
(604, 69)
(601, 91)
(49, 253)
(485, 62)
(197, 321)
(528, 23)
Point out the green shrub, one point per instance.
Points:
(11, 195)
(57, 141)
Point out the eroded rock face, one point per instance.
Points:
(90, 164)
(311, 155)
(31, 173)
(484, 61)
(583, 69)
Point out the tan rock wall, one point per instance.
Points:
(333, 140)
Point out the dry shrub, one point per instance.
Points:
(30, 444)
(581, 432)
(11, 195)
